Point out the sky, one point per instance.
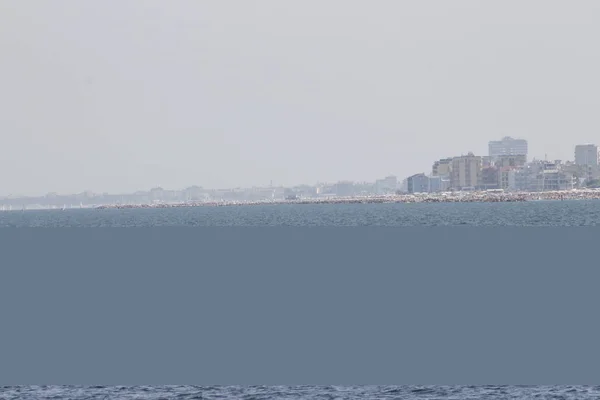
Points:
(124, 95)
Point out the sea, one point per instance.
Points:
(538, 213)
(301, 392)
(533, 213)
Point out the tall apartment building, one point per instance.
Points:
(507, 146)
(466, 172)
(587, 154)
(442, 167)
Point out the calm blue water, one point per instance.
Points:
(549, 213)
(301, 392)
(567, 213)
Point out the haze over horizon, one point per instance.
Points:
(119, 96)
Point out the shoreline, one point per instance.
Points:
(456, 197)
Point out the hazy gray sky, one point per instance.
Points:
(120, 95)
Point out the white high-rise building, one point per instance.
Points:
(587, 154)
(507, 146)
(466, 172)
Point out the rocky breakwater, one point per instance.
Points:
(457, 197)
(576, 194)
(454, 197)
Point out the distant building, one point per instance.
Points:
(507, 146)
(445, 184)
(157, 194)
(466, 172)
(544, 176)
(438, 184)
(325, 190)
(305, 191)
(418, 183)
(554, 178)
(587, 154)
(489, 178)
(510, 160)
(435, 184)
(507, 178)
(442, 167)
(344, 189)
(524, 178)
(364, 188)
(403, 187)
(557, 180)
(582, 173)
(195, 193)
(388, 185)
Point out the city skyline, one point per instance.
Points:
(400, 177)
(483, 146)
(173, 94)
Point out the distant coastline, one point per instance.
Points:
(451, 197)
(490, 196)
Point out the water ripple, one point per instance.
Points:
(298, 392)
(561, 213)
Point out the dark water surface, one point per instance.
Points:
(301, 392)
(567, 213)
(538, 213)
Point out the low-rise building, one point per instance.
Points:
(489, 178)
(388, 185)
(418, 183)
(507, 178)
(541, 176)
(344, 189)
